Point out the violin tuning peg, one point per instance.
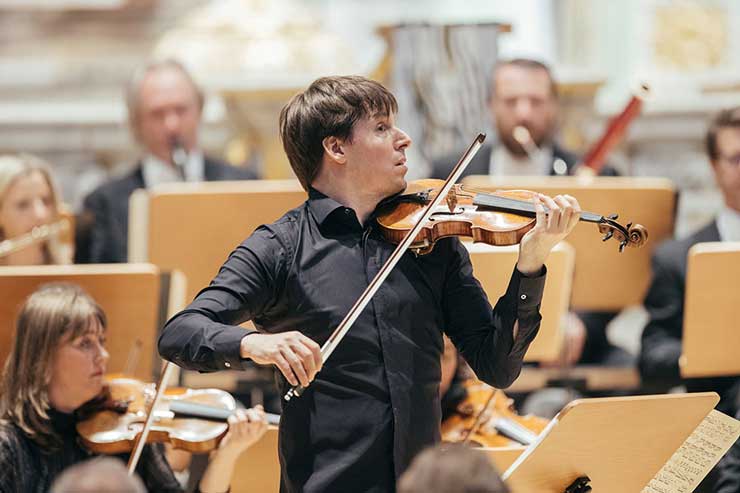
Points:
(629, 225)
(613, 217)
(608, 235)
(622, 244)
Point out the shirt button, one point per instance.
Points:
(227, 364)
(524, 297)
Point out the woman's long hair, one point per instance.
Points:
(52, 315)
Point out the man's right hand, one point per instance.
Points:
(297, 356)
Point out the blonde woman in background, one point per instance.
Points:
(28, 198)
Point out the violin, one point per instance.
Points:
(486, 418)
(191, 420)
(496, 218)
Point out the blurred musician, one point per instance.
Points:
(29, 214)
(165, 109)
(523, 102)
(664, 301)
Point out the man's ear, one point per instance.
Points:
(334, 149)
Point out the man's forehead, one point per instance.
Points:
(164, 84)
(513, 78)
(728, 139)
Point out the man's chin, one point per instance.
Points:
(514, 148)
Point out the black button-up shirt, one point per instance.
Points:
(375, 403)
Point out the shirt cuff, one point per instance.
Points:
(530, 289)
(227, 347)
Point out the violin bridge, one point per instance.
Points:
(452, 200)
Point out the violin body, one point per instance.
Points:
(461, 426)
(111, 432)
(498, 421)
(459, 217)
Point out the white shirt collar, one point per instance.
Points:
(503, 163)
(728, 224)
(156, 171)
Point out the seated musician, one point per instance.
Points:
(28, 198)
(375, 403)
(56, 366)
(664, 301)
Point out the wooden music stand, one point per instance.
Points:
(503, 457)
(605, 280)
(493, 266)
(128, 293)
(620, 443)
(711, 311)
(258, 468)
(192, 227)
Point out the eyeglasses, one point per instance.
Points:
(733, 160)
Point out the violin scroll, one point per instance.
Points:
(632, 235)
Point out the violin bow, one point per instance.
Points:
(336, 337)
(140, 440)
(479, 417)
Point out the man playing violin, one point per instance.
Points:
(374, 404)
(56, 367)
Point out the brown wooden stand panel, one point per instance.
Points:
(128, 293)
(711, 339)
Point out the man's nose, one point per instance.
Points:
(172, 122)
(523, 109)
(403, 140)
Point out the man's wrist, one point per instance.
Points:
(244, 351)
(529, 269)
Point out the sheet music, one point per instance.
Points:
(697, 456)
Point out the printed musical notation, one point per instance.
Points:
(697, 456)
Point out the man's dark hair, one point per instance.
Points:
(729, 118)
(329, 107)
(451, 468)
(526, 63)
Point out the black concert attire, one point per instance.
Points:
(375, 403)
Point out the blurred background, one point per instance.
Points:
(63, 65)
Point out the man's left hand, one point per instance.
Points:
(550, 228)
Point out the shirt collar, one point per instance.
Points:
(321, 205)
(156, 171)
(728, 224)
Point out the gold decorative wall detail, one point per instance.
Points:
(690, 35)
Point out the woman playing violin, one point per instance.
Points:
(375, 402)
(55, 367)
(28, 198)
